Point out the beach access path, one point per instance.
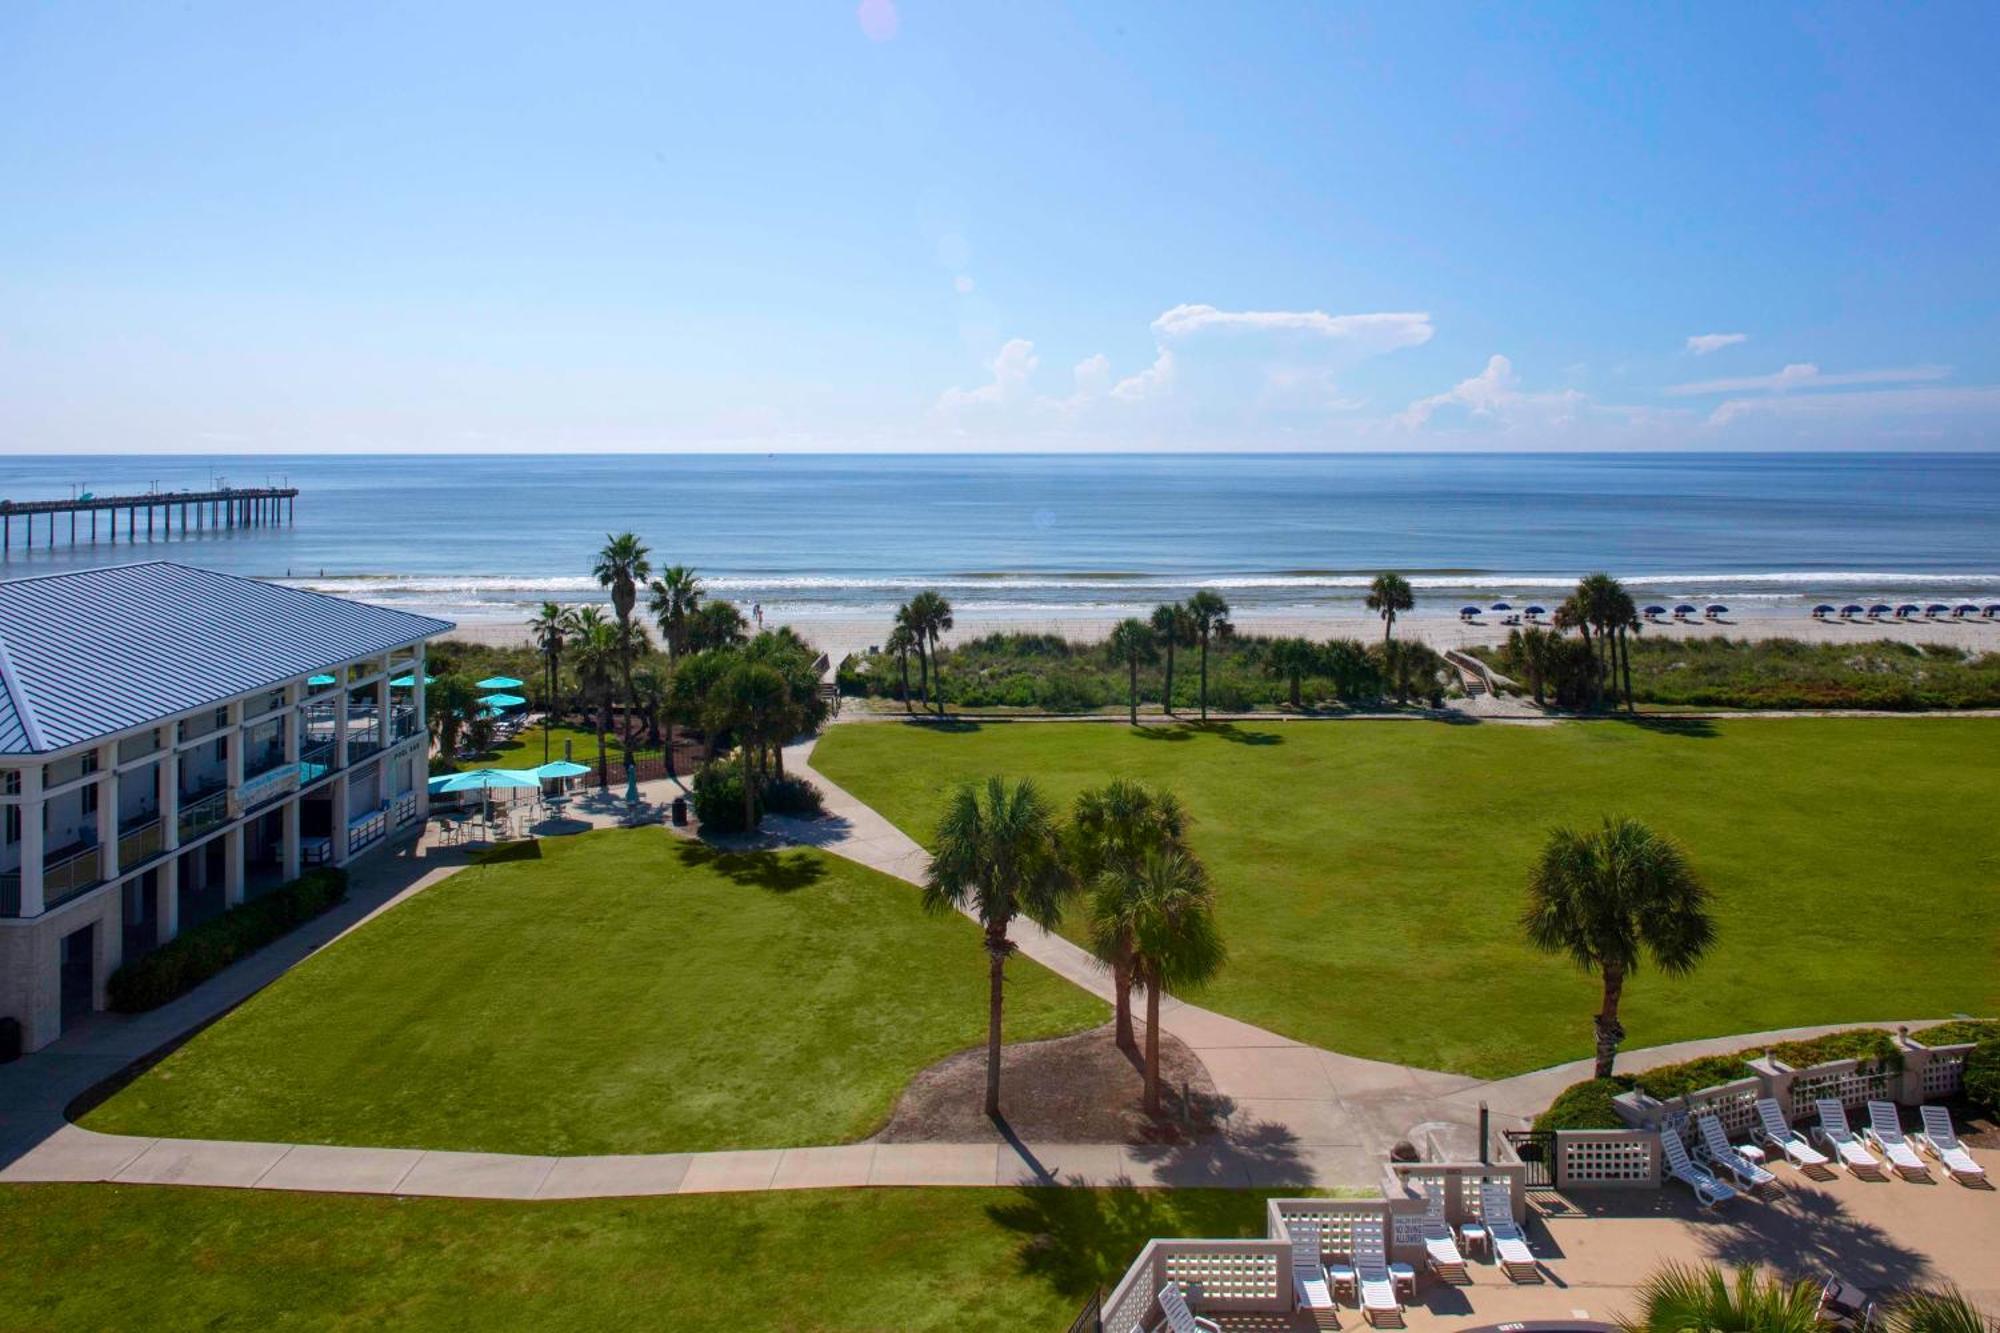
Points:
(1299, 1116)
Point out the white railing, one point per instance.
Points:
(1943, 1073)
(1586, 1157)
(403, 809)
(1849, 1082)
(366, 830)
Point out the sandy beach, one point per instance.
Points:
(838, 637)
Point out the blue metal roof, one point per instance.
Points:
(97, 651)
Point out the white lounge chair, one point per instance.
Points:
(1715, 1145)
(1942, 1143)
(1440, 1249)
(1832, 1130)
(1885, 1131)
(1510, 1244)
(1708, 1189)
(1180, 1319)
(1310, 1283)
(1779, 1134)
(1379, 1304)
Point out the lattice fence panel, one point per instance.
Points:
(1223, 1278)
(1606, 1161)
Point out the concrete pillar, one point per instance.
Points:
(109, 947)
(32, 847)
(107, 816)
(170, 797)
(292, 723)
(339, 830)
(340, 721)
(232, 865)
(234, 738)
(384, 730)
(167, 912)
(291, 838)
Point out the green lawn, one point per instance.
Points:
(624, 991)
(108, 1256)
(1371, 874)
(525, 750)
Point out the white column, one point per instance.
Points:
(31, 840)
(232, 865)
(236, 737)
(107, 812)
(291, 724)
(291, 836)
(168, 910)
(423, 722)
(340, 721)
(339, 798)
(384, 731)
(170, 799)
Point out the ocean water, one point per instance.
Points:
(1048, 536)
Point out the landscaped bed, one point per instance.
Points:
(110, 1256)
(1371, 875)
(623, 991)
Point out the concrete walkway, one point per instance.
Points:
(1298, 1115)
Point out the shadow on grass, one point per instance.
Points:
(527, 849)
(1078, 1240)
(950, 725)
(1693, 728)
(1177, 731)
(1236, 735)
(757, 869)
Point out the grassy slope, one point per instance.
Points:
(106, 1256)
(626, 992)
(1371, 875)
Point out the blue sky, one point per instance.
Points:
(1023, 226)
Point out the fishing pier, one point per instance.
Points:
(197, 511)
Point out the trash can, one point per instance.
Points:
(680, 812)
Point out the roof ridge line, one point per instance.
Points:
(24, 709)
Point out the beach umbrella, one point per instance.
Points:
(1717, 609)
(1880, 609)
(502, 700)
(1656, 610)
(407, 680)
(1993, 610)
(1685, 609)
(320, 680)
(1907, 609)
(485, 780)
(1537, 611)
(498, 683)
(562, 768)
(1502, 606)
(1967, 610)
(1851, 609)
(1936, 609)
(1468, 610)
(1822, 610)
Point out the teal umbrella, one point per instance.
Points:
(562, 768)
(498, 683)
(406, 681)
(485, 779)
(502, 700)
(317, 681)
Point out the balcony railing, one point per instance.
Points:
(315, 762)
(268, 784)
(406, 723)
(139, 841)
(63, 878)
(201, 813)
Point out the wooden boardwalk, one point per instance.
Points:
(196, 511)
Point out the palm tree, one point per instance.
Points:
(596, 652)
(1166, 909)
(1938, 1310)
(450, 700)
(1609, 897)
(999, 855)
(1388, 595)
(931, 616)
(1209, 614)
(649, 696)
(1689, 1298)
(1131, 642)
(755, 704)
(676, 596)
(1175, 628)
(552, 628)
(909, 620)
(622, 565)
(1112, 829)
(716, 624)
(1290, 659)
(901, 640)
(1352, 671)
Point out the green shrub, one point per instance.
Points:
(1959, 1030)
(717, 797)
(1982, 1075)
(791, 796)
(1868, 1044)
(1702, 1072)
(1586, 1105)
(197, 954)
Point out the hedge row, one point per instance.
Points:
(1959, 1030)
(197, 954)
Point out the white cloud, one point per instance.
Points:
(1701, 344)
(1093, 375)
(1012, 369)
(1979, 400)
(1383, 332)
(1806, 375)
(1151, 382)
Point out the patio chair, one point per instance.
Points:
(1941, 1142)
(1842, 1305)
(1510, 1243)
(1832, 1130)
(1310, 1284)
(1778, 1133)
(1715, 1145)
(1885, 1131)
(1440, 1250)
(1180, 1319)
(1379, 1304)
(1708, 1189)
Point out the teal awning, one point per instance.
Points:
(562, 768)
(485, 779)
(407, 681)
(317, 682)
(498, 683)
(502, 700)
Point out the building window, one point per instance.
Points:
(222, 716)
(13, 787)
(89, 764)
(13, 824)
(90, 799)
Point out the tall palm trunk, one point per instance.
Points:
(1132, 695)
(938, 668)
(1153, 1042)
(1296, 701)
(1204, 675)
(625, 722)
(603, 729)
(1121, 1001)
(744, 747)
(924, 670)
(1609, 1032)
(996, 968)
(1168, 702)
(903, 665)
(1625, 657)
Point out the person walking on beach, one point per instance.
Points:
(757, 614)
